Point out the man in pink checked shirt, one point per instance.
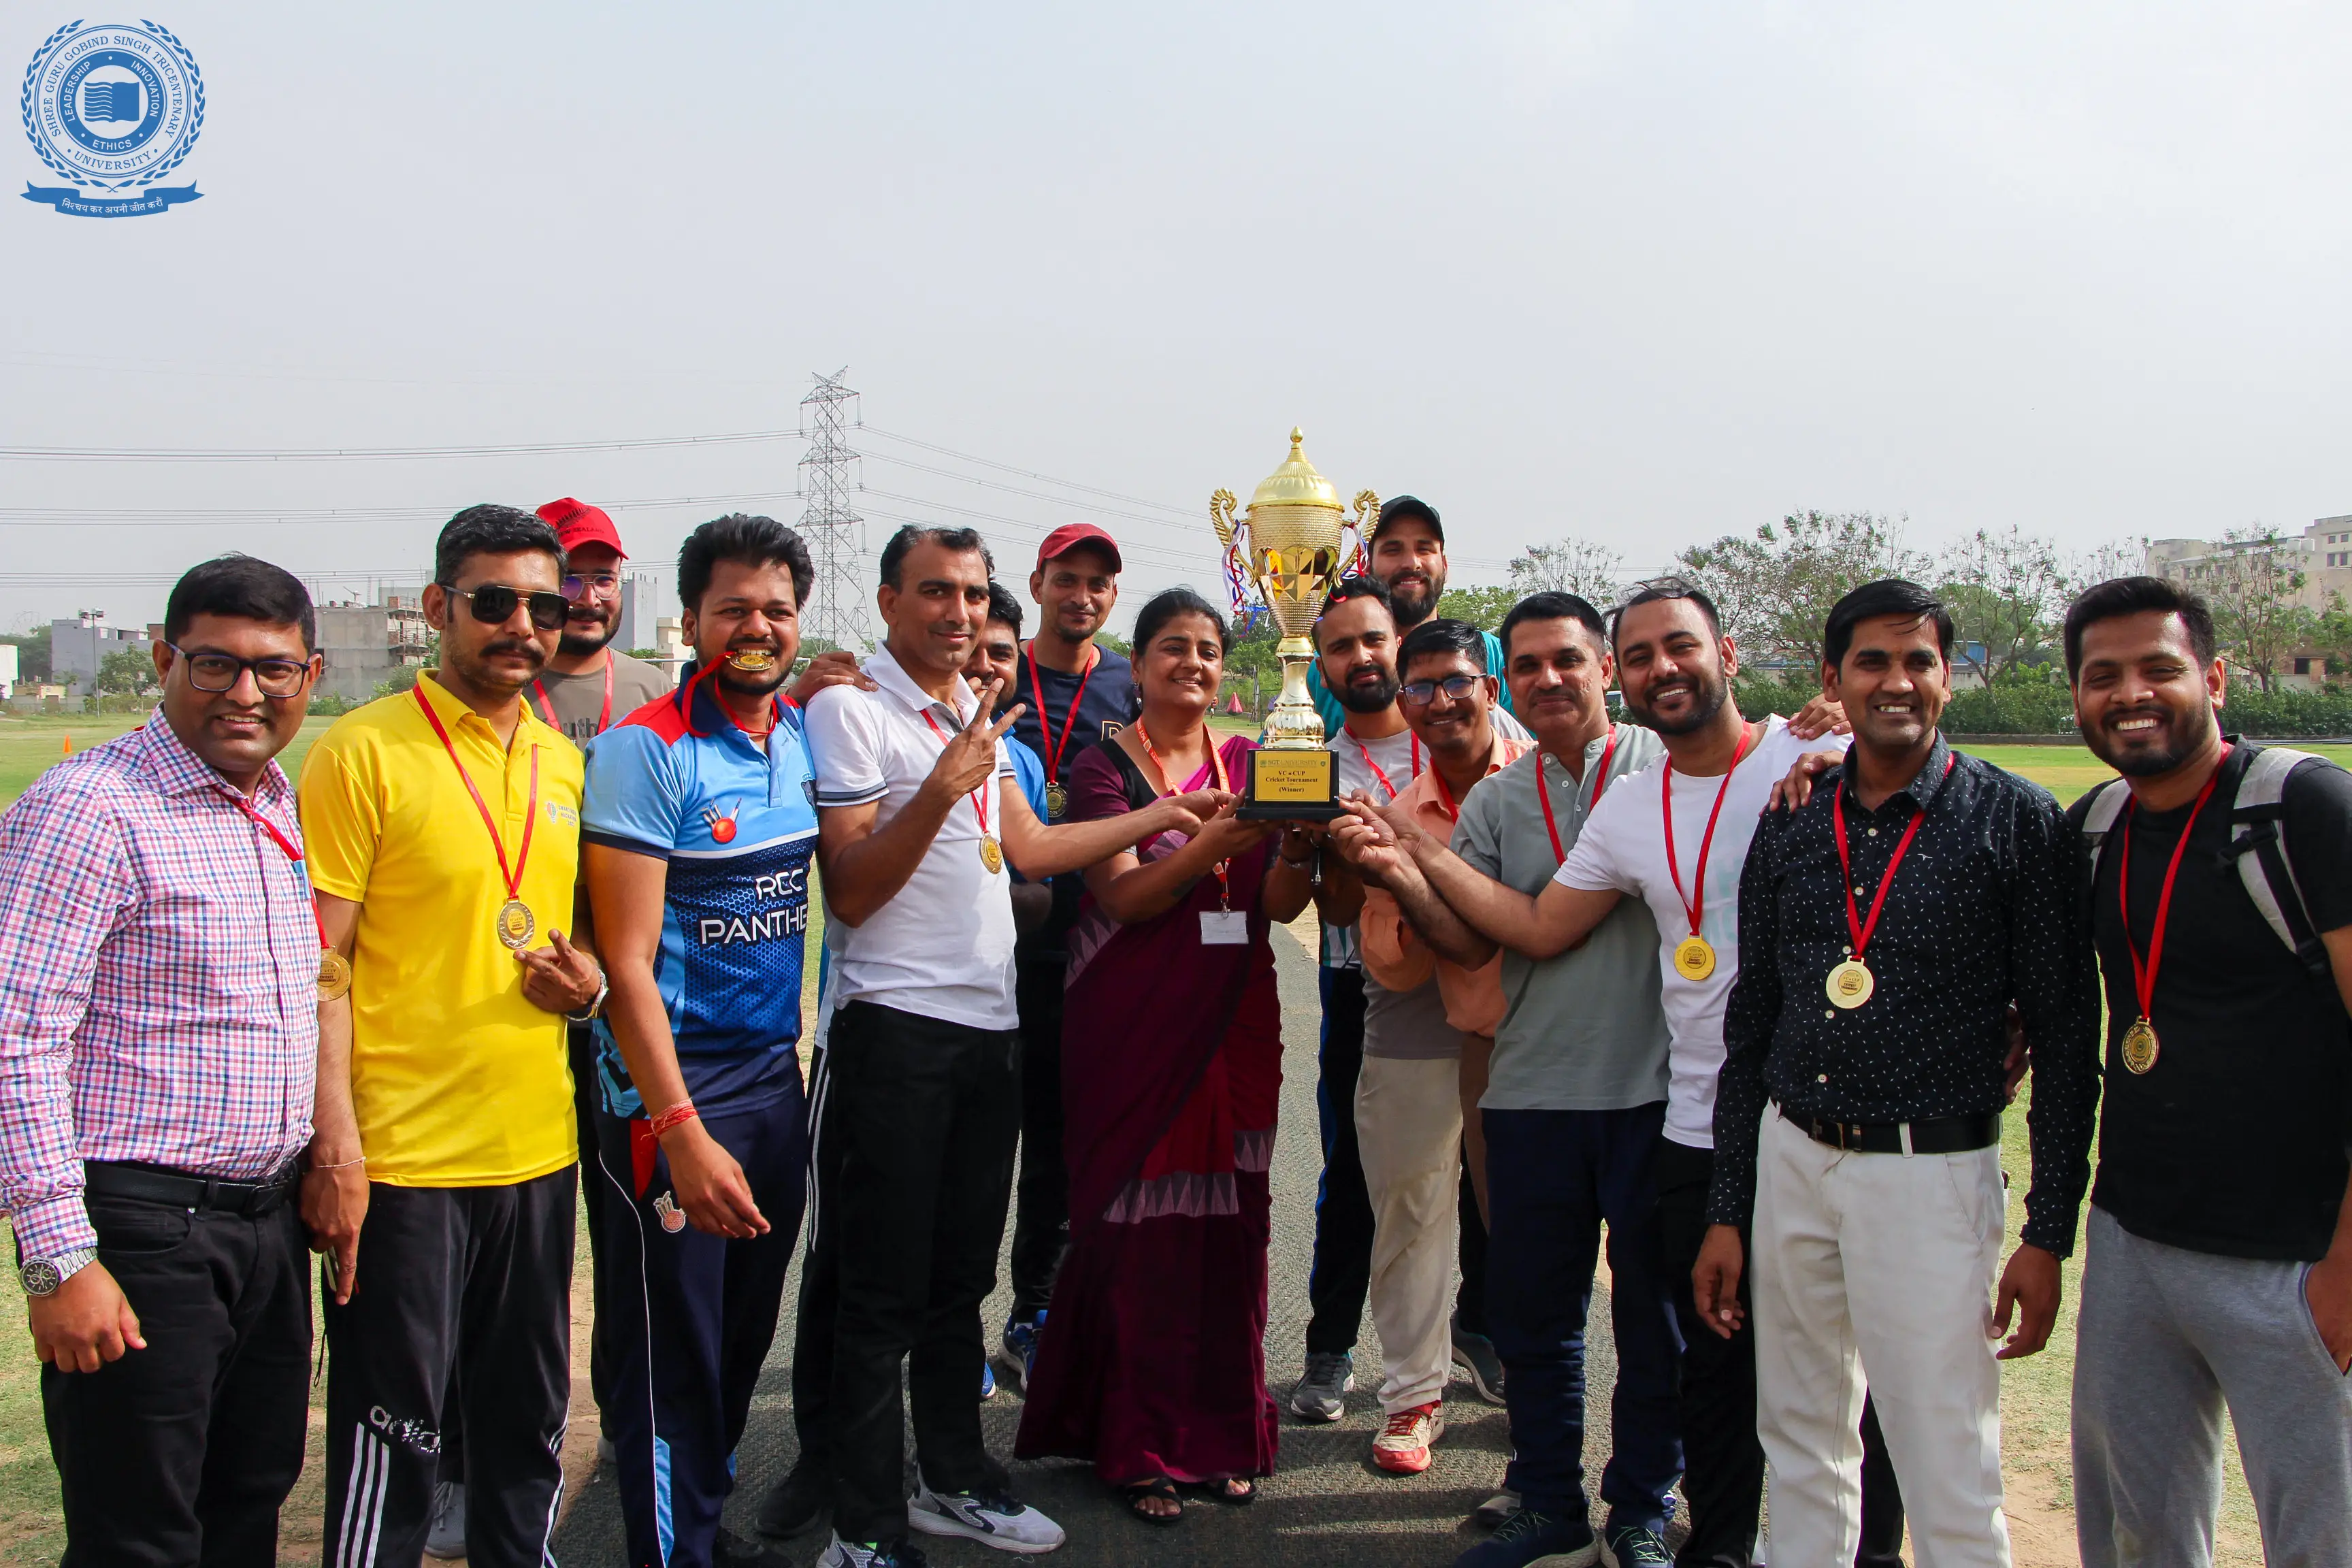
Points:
(160, 970)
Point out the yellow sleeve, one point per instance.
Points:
(1392, 954)
(343, 818)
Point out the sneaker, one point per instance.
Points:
(1322, 1393)
(1021, 1347)
(1475, 1354)
(446, 1537)
(871, 1554)
(605, 1453)
(985, 1514)
(1498, 1510)
(987, 1379)
(729, 1550)
(1402, 1446)
(1636, 1546)
(795, 1502)
(1553, 1539)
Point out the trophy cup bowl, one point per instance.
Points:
(1289, 545)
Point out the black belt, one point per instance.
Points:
(179, 1189)
(1937, 1135)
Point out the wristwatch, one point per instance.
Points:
(42, 1276)
(588, 1014)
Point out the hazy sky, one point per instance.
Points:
(1646, 273)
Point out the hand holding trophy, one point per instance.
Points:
(1288, 543)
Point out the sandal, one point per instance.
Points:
(1136, 1493)
(1220, 1491)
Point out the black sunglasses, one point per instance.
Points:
(494, 603)
(217, 672)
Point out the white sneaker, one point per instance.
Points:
(842, 1554)
(445, 1538)
(990, 1517)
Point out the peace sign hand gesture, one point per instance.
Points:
(970, 756)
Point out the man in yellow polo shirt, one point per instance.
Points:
(443, 829)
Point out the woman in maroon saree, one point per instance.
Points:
(1152, 1363)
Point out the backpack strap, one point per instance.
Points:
(2258, 841)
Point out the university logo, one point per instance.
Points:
(113, 108)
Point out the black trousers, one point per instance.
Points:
(182, 1453)
(474, 1280)
(1723, 1463)
(602, 1357)
(1341, 1274)
(918, 1122)
(1041, 1221)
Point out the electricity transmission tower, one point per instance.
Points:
(835, 533)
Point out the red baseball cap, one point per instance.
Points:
(1070, 535)
(577, 523)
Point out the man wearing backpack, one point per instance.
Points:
(2220, 1262)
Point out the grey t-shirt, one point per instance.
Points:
(1586, 1030)
(578, 700)
(1408, 1026)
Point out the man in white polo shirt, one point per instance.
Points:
(919, 1106)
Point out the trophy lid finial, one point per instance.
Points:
(1297, 482)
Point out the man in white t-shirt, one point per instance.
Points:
(918, 1108)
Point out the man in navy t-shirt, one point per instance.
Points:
(1076, 693)
(697, 825)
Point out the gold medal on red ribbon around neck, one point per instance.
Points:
(514, 924)
(1693, 958)
(1851, 983)
(2140, 1048)
(992, 853)
(1695, 955)
(1057, 799)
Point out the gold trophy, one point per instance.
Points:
(1289, 544)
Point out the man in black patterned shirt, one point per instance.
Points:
(1886, 927)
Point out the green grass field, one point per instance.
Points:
(2034, 1393)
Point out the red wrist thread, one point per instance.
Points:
(678, 1115)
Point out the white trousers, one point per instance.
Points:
(1409, 1132)
(1883, 1262)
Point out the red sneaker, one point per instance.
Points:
(1403, 1443)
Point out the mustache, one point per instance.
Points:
(524, 646)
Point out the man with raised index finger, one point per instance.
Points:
(918, 1109)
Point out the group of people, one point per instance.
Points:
(1746, 1003)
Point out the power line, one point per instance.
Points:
(178, 517)
(1155, 554)
(1033, 495)
(319, 454)
(1024, 473)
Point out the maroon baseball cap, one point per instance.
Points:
(577, 523)
(1070, 535)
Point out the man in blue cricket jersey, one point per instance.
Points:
(697, 831)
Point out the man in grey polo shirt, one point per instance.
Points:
(1575, 1100)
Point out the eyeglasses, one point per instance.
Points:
(494, 603)
(579, 585)
(217, 672)
(1422, 693)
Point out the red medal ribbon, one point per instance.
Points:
(2144, 970)
(977, 797)
(1543, 793)
(1377, 772)
(1044, 730)
(1445, 797)
(1217, 762)
(1693, 906)
(295, 855)
(530, 818)
(1854, 922)
(547, 708)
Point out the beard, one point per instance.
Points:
(1413, 603)
(1373, 698)
(576, 644)
(750, 682)
(2189, 734)
(1708, 694)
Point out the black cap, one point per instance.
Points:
(1408, 508)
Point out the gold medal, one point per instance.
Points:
(2139, 1047)
(1694, 959)
(992, 853)
(516, 924)
(1851, 983)
(334, 975)
(752, 660)
(1057, 802)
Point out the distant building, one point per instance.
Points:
(2322, 553)
(77, 647)
(365, 644)
(9, 675)
(640, 611)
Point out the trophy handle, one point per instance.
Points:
(1222, 506)
(1367, 509)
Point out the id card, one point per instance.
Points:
(1224, 928)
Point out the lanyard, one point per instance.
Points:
(1600, 782)
(977, 797)
(1445, 797)
(1378, 773)
(1217, 762)
(1693, 905)
(547, 709)
(2144, 970)
(295, 855)
(1861, 930)
(1045, 730)
(530, 818)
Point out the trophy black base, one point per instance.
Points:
(1299, 785)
